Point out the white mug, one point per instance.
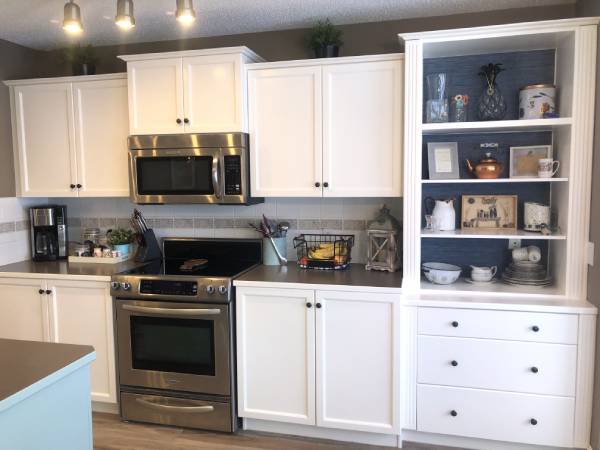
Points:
(520, 254)
(547, 167)
(534, 253)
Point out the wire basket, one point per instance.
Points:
(324, 251)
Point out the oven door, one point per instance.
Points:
(163, 176)
(175, 346)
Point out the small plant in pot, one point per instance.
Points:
(325, 39)
(120, 240)
(82, 59)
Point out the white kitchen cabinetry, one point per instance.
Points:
(73, 312)
(351, 382)
(199, 91)
(326, 128)
(23, 312)
(70, 136)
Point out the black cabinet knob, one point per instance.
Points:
(309, 305)
(453, 413)
(535, 328)
(41, 291)
(533, 422)
(79, 186)
(73, 186)
(326, 184)
(534, 369)
(178, 121)
(317, 184)
(318, 305)
(455, 324)
(186, 120)
(454, 363)
(48, 291)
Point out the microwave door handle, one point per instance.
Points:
(179, 409)
(216, 176)
(172, 311)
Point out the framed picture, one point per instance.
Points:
(490, 212)
(443, 160)
(524, 160)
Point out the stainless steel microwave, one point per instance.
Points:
(190, 168)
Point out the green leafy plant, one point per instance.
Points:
(490, 73)
(78, 55)
(120, 236)
(324, 33)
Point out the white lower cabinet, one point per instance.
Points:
(324, 358)
(73, 312)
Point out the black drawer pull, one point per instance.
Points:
(535, 328)
(533, 422)
(72, 186)
(453, 413)
(41, 291)
(317, 184)
(318, 305)
(309, 305)
(454, 363)
(455, 324)
(178, 121)
(48, 291)
(534, 369)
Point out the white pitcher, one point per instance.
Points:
(444, 215)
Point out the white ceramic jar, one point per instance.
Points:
(536, 101)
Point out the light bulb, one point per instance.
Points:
(185, 13)
(124, 18)
(72, 18)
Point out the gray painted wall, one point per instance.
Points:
(15, 62)
(592, 8)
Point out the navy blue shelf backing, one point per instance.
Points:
(522, 69)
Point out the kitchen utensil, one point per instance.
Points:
(488, 168)
(283, 228)
(483, 274)
(443, 212)
(547, 167)
(536, 216)
(441, 273)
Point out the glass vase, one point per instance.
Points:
(492, 105)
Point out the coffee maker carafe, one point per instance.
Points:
(48, 232)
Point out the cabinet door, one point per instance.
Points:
(155, 89)
(357, 361)
(102, 127)
(213, 94)
(45, 140)
(362, 129)
(81, 313)
(276, 354)
(23, 310)
(285, 132)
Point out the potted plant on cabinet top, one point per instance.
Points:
(325, 39)
(120, 240)
(82, 59)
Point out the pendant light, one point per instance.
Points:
(72, 18)
(124, 18)
(185, 13)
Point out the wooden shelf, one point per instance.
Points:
(497, 288)
(497, 180)
(498, 125)
(490, 234)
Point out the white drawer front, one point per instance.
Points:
(504, 365)
(496, 415)
(510, 325)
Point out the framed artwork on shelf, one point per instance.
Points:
(489, 212)
(524, 160)
(443, 160)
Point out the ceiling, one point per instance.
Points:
(37, 23)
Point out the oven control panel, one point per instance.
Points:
(169, 287)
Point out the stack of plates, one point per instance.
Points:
(526, 273)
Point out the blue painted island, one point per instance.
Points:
(45, 399)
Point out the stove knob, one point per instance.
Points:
(115, 285)
(126, 286)
(222, 290)
(210, 289)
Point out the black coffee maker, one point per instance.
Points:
(48, 232)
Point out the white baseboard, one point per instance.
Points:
(101, 407)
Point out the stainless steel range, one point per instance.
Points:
(174, 333)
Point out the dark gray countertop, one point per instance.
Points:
(25, 363)
(355, 275)
(64, 268)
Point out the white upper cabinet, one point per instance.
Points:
(45, 140)
(155, 100)
(198, 91)
(328, 128)
(285, 132)
(101, 125)
(70, 136)
(362, 129)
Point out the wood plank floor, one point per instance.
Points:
(112, 434)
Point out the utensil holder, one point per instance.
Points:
(149, 249)
(269, 255)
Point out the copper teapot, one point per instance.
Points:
(487, 168)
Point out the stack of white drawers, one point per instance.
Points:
(500, 375)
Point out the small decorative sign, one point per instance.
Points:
(490, 212)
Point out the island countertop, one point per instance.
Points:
(27, 365)
(294, 276)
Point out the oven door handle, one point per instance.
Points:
(172, 311)
(216, 176)
(179, 409)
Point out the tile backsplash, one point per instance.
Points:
(333, 216)
(14, 228)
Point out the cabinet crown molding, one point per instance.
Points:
(245, 51)
(70, 79)
(326, 61)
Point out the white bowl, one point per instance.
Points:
(441, 273)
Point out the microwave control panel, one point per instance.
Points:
(233, 175)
